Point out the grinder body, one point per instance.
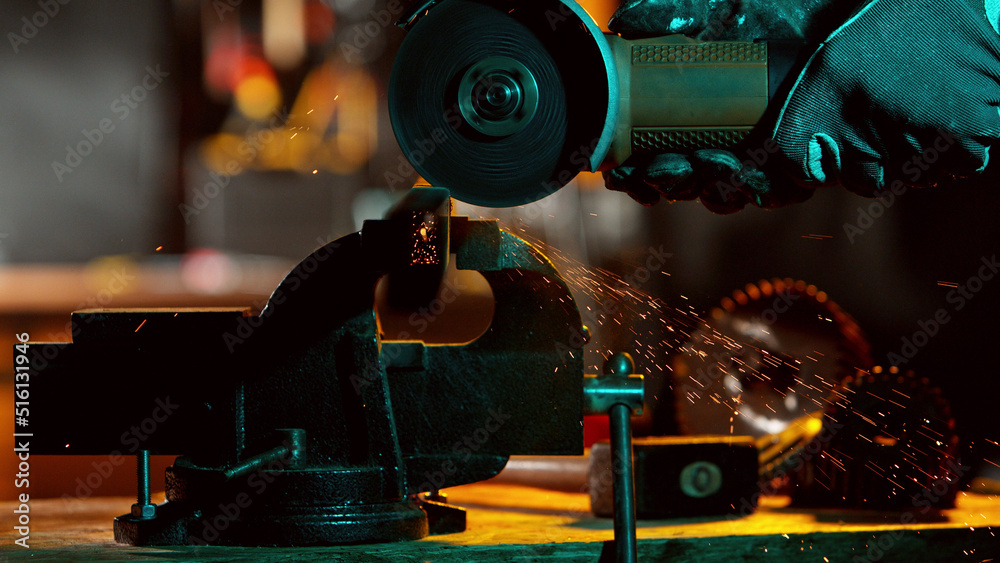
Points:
(556, 96)
(680, 94)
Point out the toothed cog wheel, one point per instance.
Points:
(888, 442)
(771, 354)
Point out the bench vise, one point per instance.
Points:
(300, 425)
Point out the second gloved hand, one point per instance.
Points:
(724, 182)
(902, 92)
(719, 179)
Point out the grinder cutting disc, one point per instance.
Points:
(479, 105)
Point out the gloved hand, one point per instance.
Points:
(904, 93)
(737, 20)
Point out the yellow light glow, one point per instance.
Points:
(813, 426)
(258, 96)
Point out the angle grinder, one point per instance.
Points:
(503, 102)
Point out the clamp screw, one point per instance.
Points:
(143, 508)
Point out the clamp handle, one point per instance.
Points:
(619, 392)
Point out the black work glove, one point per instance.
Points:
(904, 93)
(736, 20)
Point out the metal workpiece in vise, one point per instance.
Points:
(524, 94)
(300, 424)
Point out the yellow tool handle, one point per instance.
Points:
(678, 94)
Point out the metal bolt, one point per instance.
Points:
(143, 508)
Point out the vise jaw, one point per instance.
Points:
(300, 425)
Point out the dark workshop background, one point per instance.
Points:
(240, 135)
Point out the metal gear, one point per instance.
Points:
(771, 354)
(888, 442)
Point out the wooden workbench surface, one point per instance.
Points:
(513, 523)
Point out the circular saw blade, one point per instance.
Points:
(494, 171)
